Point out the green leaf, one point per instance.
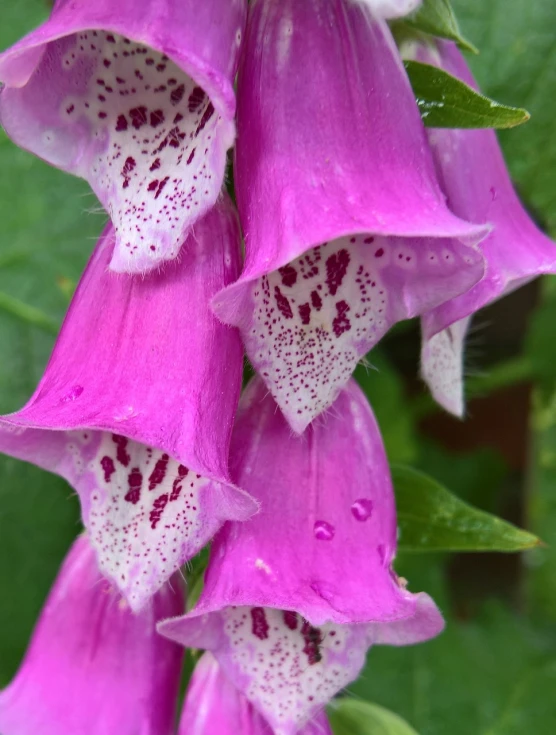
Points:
(432, 519)
(438, 18)
(446, 102)
(355, 717)
(492, 676)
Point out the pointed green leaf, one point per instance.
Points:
(447, 102)
(355, 717)
(437, 18)
(432, 519)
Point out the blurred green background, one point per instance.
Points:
(493, 672)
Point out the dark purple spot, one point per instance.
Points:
(208, 113)
(110, 38)
(157, 117)
(290, 619)
(178, 118)
(159, 472)
(305, 313)
(313, 638)
(282, 303)
(120, 80)
(379, 253)
(316, 300)
(177, 484)
(102, 115)
(368, 240)
(134, 482)
(289, 275)
(106, 63)
(176, 95)
(156, 513)
(121, 444)
(190, 158)
(138, 117)
(107, 464)
(155, 164)
(70, 109)
(259, 624)
(341, 323)
(336, 267)
(196, 99)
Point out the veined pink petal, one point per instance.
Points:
(215, 705)
(136, 97)
(306, 325)
(474, 177)
(331, 156)
(295, 596)
(391, 8)
(93, 667)
(136, 408)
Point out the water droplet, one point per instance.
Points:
(362, 509)
(73, 395)
(323, 531)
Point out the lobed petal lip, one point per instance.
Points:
(209, 66)
(147, 121)
(324, 551)
(167, 400)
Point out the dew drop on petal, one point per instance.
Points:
(362, 509)
(73, 395)
(323, 531)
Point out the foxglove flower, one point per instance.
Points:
(295, 596)
(215, 705)
(94, 668)
(335, 188)
(474, 177)
(135, 96)
(136, 407)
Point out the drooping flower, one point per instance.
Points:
(295, 596)
(135, 96)
(215, 705)
(93, 667)
(474, 177)
(136, 407)
(346, 229)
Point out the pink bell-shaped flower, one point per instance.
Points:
(92, 667)
(473, 175)
(346, 229)
(294, 597)
(136, 408)
(215, 706)
(137, 97)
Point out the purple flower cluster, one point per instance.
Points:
(353, 217)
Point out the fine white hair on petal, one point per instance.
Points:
(391, 8)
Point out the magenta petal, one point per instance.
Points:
(93, 667)
(136, 409)
(475, 179)
(136, 97)
(295, 596)
(474, 176)
(337, 159)
(326, 501)
(306, 326)
(330, 140)
(215, 705)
